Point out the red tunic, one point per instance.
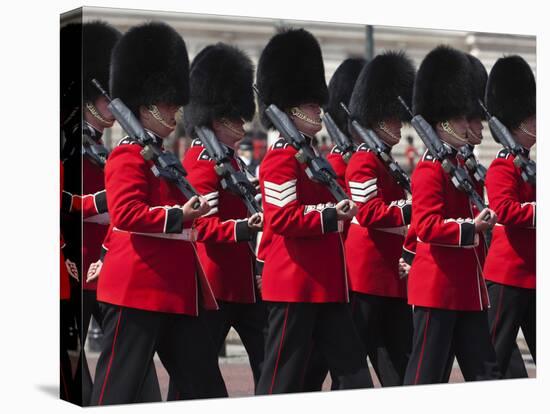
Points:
(64, 283)
(376, 235)
(446, 272)
(151, 264)
(512, 255)
(223, 233)
(301, 245)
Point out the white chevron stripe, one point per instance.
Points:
(363, 199)
(280, 187)
(363, 193)
(280, 203)
(211, 196)
(355, 184)
(212, 211)
(212, 203)
(280, 195)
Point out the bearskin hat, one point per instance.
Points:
(98, 40)
(220, 79)
(291, 72)
(511, 93)
(443, 85)
(374, 97)
(479, 79)
(340, 88)
(70, 47)
(150, 65)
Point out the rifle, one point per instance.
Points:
(472, 164)
(95, 152)
(502, 135)
(459, 176)
(318, 168)
(342, 142)
(232, 180)
(166, 165)
(375, 144)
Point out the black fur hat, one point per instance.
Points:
(291, 72)
(443, 85)
(479, 79)
(511, 93)
(220, 79)
(150, 65)
(70, 47)
(374, 97)
(340, 88)
(98, 40)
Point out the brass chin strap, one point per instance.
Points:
(297, 112)
(449, 130)
(95, 113)
(382, 125)
(524, 129)
(153, 110)
(226, 123)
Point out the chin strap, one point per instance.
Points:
(153, 110)
(226, 123)
(95, 113)
(478, 137)
(523, 128)
(298, 113)
(383, 127)
(446, 125)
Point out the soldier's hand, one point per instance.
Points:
(404, 268)
(485, 220)
(72, 269)
(256, 221)
(345, 210)
(94, 270)
(190, 213)
(256, 183)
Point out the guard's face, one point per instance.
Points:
(474, 131)
(101, 104)
(162, 121)
(526, 134)
(308, 118)
(229, 131)
(456, 134)
(389, 130)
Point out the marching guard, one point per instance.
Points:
(450, 301)
(304, 278)
(223, 101)
(510, 267)
(374, 243)
(150, 290)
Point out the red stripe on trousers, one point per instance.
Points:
(422, 349)
(279, 353)
(497, 316)
(110, 359)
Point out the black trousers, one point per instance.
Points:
(385, 327)
(512, 308)
(249, 321)
(294, 328)
(131, 338)
(150, 391)
(66, 383)
(440, 332)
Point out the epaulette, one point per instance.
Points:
(335, 150)
(203, 156)
(127, 141)
(280, 144)
(428, 157)
(196, 143)
(503, 153)
(363, 147)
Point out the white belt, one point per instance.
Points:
(185, 235)
(99, 219)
